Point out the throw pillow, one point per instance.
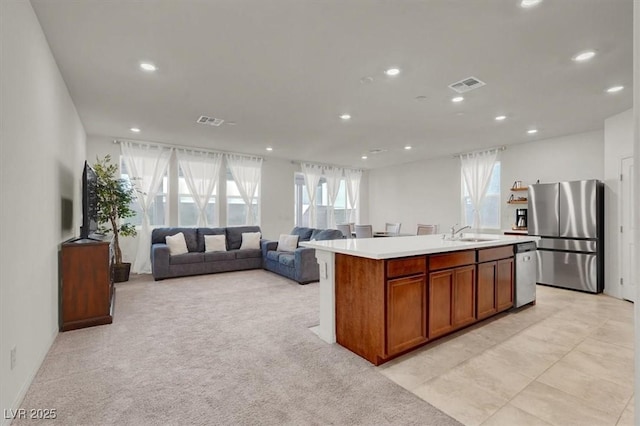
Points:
(215, 243)
(250, 240)
(287, 242)
(177, 244)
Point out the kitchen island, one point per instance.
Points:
(382, 297)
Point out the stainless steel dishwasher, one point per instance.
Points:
(526, 269)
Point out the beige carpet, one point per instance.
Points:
(226, 349)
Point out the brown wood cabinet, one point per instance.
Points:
(87, 293)
(452, 299)
(504, 284)
(387, 307)
(495, 281)
(406, 313)
(463, 303)
(440, 296)
(486, 290)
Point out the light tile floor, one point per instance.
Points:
(568, 360)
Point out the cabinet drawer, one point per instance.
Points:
(496, 253)
(406, 266)
(452, 260)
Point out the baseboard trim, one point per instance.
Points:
(27, 383)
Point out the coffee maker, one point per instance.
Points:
(521, 218)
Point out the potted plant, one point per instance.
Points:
(114, 204)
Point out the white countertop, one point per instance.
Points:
(392, 247)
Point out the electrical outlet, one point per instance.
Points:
(13, 357)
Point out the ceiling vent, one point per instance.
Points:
(210, 121)
(377, 151)
(466, 84)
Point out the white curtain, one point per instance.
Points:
(333, 176)
(201, 172)
(312, 174)
(352, 180)
(246, 172)
(477, 168)
(146, 165)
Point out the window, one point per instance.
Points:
(158, 208)
(341, 211)
(188, 209)
(236, 207)
(175, 206)
(490, 209)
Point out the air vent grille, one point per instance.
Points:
(210, 121)
(466, 84)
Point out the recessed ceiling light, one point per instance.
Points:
(457, 99)
(529, 3)
(269, 148)
(614, 89)
(584, 56)
(501, 117)
(135, 130)
(392, 71)
(147, 66)
(345, 117)
(377, 151)
(364, 157)
(366, 80)
(532, 131)
(408, 147)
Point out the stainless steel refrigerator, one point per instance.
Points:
(569, 216)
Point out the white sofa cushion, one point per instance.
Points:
(215, 243)
(287, 242)
(250, 241)
(177, 244)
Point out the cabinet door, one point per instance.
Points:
(406, 313)
(504, 284)
(464, 296)
(440, 295)
(486, 290)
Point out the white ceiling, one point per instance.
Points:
(285, 70)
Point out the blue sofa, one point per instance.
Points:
(197, 262)
(299, 265)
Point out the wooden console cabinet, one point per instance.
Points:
(87, 293)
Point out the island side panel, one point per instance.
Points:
(327, 326)
(360, 301)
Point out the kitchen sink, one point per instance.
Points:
(476, 240)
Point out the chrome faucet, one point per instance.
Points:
(454, 232)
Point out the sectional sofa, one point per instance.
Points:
(299, 265)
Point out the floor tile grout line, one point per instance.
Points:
(550, 367)
(543, 372)
(624, 409)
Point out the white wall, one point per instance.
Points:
(573, 157)
(425, 192)
(43, 150)
(429, 191)
(277, 214)
(618, 143)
